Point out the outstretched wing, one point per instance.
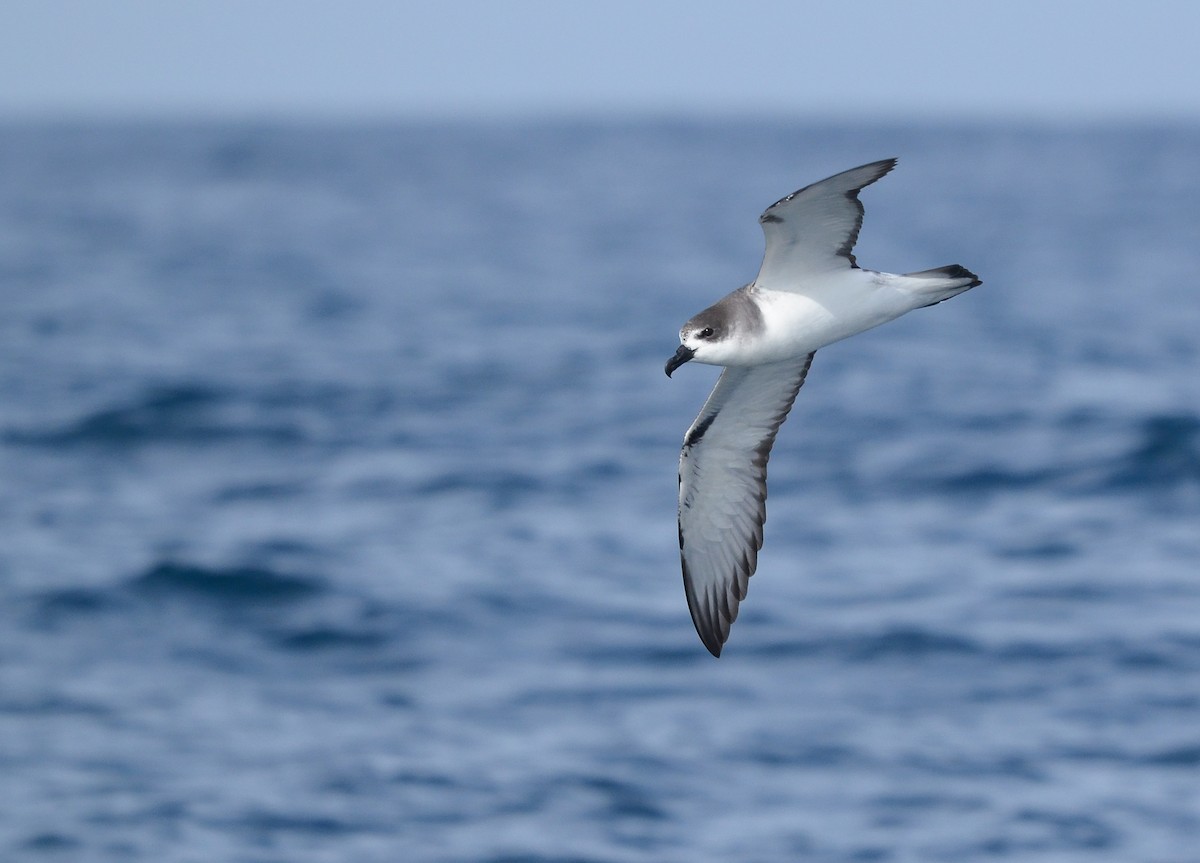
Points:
(813, 231)
(723, 489)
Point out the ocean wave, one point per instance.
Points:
(189, 414)
(1036, 831)
(312, 639)
(926, 645)
(1163, 455)
(236, 585)
(892, 643)
(1179, 756)
(278, 414)
(291, 614)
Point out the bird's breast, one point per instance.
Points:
(795, 324)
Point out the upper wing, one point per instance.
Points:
(723, 489)
(813, 231)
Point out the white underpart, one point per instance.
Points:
(841, 305)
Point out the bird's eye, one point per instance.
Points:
(705, 333)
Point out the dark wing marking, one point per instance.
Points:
(814, 230)
(723, 489)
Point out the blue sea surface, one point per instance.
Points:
(337, 496)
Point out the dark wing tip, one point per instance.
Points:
(878, 170)
(881, 168)
(710, 634)
(958, 271)
(705, 616)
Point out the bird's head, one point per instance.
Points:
(703, 339)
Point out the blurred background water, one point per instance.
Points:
(337, 485)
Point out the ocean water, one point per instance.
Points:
(337, 490)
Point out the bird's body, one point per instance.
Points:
(809, 293)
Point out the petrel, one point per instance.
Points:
(810, 292)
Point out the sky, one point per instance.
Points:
(921, 59)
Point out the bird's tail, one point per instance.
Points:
(941, 283)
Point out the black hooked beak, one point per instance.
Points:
(681, 356)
